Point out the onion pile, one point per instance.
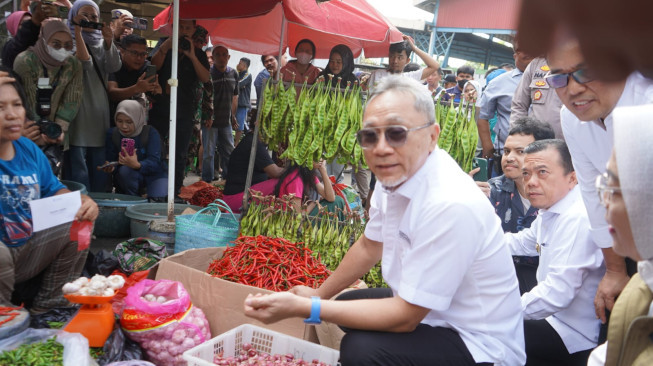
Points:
(249, 356)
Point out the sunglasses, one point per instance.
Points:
(556, 81)
(395, 136)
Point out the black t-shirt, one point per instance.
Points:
(188, 82)
(238, 162)
(225, 87)
(124, 78)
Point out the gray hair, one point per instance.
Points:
(405, 85)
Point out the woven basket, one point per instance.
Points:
(208, 227)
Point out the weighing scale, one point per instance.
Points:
(94, 320)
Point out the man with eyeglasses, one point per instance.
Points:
(453, 297)
(130, 82)
(587, 125)
(560, 326)
(507, 192)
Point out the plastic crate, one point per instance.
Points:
(263, 340)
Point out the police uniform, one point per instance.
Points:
(535, 98)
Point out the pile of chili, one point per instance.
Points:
(8, 313)
(270, 263)
(205, 196)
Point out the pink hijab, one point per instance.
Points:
(13, 21)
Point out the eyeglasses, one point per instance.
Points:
(136, 53)
(395, 136)
(91, 17)
(556, 81)
(605, 192)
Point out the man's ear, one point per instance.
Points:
(573, 180)
(435, 134)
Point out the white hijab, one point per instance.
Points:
(633, 133)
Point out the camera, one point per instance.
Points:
(86, 24)
(43, 108)
(184, 44)
(137, 23)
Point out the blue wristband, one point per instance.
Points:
(315, 311)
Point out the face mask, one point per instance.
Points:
(58, 54)
(461, 83)
(303, 58)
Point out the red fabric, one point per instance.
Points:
(255, 26)
(294, 186)
(235, 201)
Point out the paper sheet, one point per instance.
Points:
(56, 210)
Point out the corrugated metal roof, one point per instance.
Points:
(487, 14)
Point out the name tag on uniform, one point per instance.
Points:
(43, 83)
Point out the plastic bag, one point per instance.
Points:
(119, 348)
(139, 254)
(103, 262)
(75, 345)
(57, 315)
(117, 302)
(164, 329)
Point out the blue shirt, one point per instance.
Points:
(453, 91)
(24, 178)
(497, 97)
(508, 205)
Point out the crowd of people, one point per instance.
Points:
(536, 266)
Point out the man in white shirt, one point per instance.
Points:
(587, 125)
(560, 326)
(398, 58)
(453, 295)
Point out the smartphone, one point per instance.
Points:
(482, 175)
(137, 23)
(150, 72)
(94, 25)
(128, 145)
(111, 163)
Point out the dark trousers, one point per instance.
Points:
(426, 345)
(544, 347)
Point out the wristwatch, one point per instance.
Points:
(315, 311)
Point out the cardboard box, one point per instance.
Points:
(222, 301)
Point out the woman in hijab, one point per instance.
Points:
(141, 168)
(301, 69)
(99, 56)
(49, 71)
(624, 190)
(471, 92)
(15, 19)
(341, 65)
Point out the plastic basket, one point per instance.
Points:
(203, 231)
(263, 340)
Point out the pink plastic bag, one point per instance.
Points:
(164, 330)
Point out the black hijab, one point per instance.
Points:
(347, 73)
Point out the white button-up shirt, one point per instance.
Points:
(569, 272)
(443, 250)
(590, 146)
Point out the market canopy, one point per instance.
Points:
(258, 26)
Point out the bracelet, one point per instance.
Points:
(315, 311)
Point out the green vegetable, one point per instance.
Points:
(48, 353)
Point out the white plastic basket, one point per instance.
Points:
(263, 340)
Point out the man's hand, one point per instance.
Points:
(410, 41)
(144, 85)
(39, 13)
(89, 210)
(304, 291)
(107, 169)
(128, 160)
(190, 53)
(234, 123)
(278, 306)
(483, 186)
(32, 132)
(120, 27)
(208, 123)
(609, 288)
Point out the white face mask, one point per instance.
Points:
(303, 58)
(59, 54)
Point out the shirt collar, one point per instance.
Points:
(411, 186)
(515, 72)
(507, 184)
(565, 203)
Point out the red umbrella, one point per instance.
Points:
(258, 26)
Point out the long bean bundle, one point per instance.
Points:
(459, 133)
(319, 124)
